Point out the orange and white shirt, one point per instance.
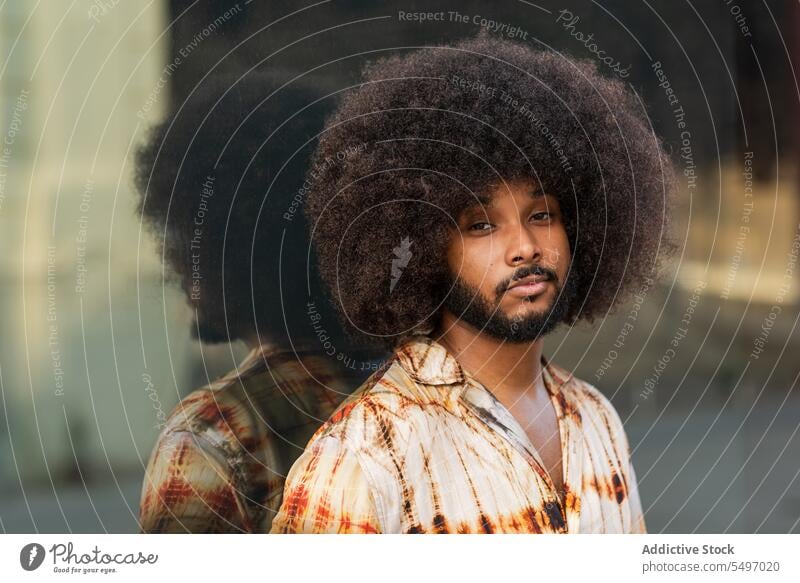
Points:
(423, 447)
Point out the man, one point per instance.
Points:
(216, 179)
(496, 192)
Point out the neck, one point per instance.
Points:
(257, 340)
(502, 366)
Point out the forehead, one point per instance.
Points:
(496, 194)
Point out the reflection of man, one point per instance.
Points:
(216, 178)
(539, 202)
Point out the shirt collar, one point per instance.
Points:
(427, 361)
(258, 357)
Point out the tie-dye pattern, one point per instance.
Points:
(220, 462)
(422, 447)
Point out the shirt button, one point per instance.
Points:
(553, 512)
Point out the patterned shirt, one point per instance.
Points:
(220, 462)
(423, 447)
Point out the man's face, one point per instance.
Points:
(509, 258)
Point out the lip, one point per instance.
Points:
(528, 286)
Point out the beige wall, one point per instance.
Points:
(79, 74)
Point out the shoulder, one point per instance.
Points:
(269, 393)
(201, 453)
(201, 440)
(217, 413)
(581, 393)
(592, 397)
(388, 403)
(595, 410)
(328, 491)
(190, 484)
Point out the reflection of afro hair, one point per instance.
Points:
(427, 131)
(214, 188)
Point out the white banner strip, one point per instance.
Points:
(352, 558)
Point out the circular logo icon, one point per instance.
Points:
(31, 556)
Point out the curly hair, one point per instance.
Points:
(216, 182)
(429, 132)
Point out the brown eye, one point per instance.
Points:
(480, 227)
(541, 216)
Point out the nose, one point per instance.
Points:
(522, 247)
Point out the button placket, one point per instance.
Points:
(494, 414)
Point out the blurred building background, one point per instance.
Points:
(94, 344)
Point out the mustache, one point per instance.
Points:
(539, 270)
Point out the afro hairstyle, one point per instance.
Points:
(216, 181)
(429, 132)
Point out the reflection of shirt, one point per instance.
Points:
(423, 447)
(220, 462)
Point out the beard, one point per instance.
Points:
(470, 305)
